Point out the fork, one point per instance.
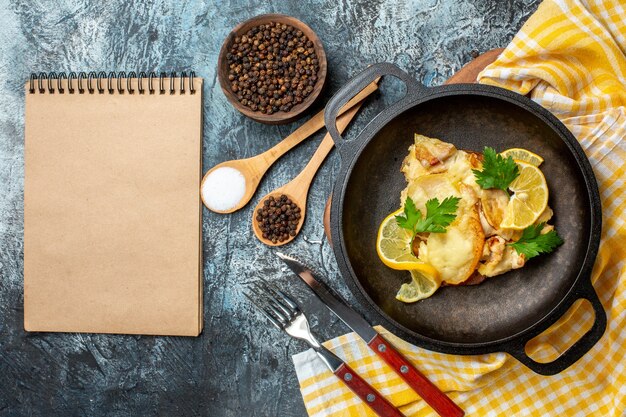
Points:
(285, 315)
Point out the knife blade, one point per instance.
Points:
(439, 401)
(334, 302)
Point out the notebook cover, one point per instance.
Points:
(112, 213)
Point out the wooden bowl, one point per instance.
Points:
(296, 111)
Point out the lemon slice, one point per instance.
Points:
(523, 155)
(393, 246)
(422, 286)
(529, 199)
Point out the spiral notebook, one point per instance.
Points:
(112, 213)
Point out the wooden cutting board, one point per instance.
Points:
(467, 74)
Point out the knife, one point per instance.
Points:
(439, 401)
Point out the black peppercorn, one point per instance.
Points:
(272, 62)
(279, 218)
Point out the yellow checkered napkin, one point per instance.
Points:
(570, 58)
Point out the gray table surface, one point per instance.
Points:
(238, 366)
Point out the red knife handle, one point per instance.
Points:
(366, 392)
(416, 380)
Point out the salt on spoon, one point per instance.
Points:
(223, 188)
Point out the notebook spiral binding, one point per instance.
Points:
(84, 79)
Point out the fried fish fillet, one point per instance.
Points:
(474, 246)
(456, 253)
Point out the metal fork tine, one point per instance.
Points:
(288, 300)
(275, 322)
(268, 299)
(283, 314)
(261, 291)
(266, 286)
(282, 297)
(275, 299)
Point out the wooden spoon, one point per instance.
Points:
(297, 189)
(255, 167)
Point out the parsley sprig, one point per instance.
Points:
(533, 243)
(438, 215)
(498, 172)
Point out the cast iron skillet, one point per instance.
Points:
(503, 313)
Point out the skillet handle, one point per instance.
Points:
(358, 83)
(578, 349)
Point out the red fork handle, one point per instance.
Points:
(439, 401)
(366, 392)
